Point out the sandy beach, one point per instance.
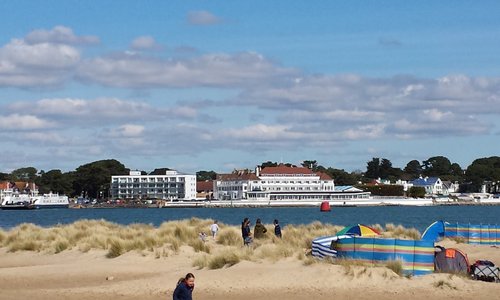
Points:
(76, 275)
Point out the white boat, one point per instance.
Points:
(16, 201)
(50, 201)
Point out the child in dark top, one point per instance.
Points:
(277, 228)
(184, 289)
(245, 232)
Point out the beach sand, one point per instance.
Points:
(75, 275)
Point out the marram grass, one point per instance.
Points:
(173, 237)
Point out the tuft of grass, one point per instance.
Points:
(224, 259)
(444, 284)
(396, 266)
(116, 249)
(309, 261)
(24, 246)
(199, 246)
(61, 245)
(229, 237)
(2, 236)
(201, 262)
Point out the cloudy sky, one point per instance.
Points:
(217, 85)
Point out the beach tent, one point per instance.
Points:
(435, 231)
(322, 246)
(358, 230)
(450, 260)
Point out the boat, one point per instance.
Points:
(50, 201)
(16, 202)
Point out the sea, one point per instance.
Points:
(408, 216)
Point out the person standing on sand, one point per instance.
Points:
(277, 228)
(245, 232)
(260, 230)
(214, 228)
(185, 287)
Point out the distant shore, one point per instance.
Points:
(299, 203)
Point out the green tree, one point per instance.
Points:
(416, 192)
(310, 164)
(373, 168)
(24, 174)
(160, 171)
(342, 177)
(436, 166)
(95, 177)
(4, 176)
(481, 170)
(205, 175)
(413, 169)
(55, 181)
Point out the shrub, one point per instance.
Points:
(200, 246)
(61, 245)
(225, 259)
(396, 266)
(229, 237)
(115, 249)
(201, 262)
(25, 246)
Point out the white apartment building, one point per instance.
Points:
(171, 186)
(280, 183)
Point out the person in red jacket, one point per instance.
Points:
(184, 289)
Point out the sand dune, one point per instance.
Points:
(73, 262)
(80, 276)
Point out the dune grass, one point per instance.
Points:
(171, 238)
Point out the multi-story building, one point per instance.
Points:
(281, 183)
(432, 185)
(170, 186)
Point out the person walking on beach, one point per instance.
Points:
(259, 230)
(214, 228)
(185, 287)
(277, 228)
(245, 232)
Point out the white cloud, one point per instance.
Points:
(202, 17)
(218, 70)
(37, 65)
(145, 42)
(17, 122)
(59, 35)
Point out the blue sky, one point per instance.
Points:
(219, 85)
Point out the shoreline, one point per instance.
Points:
(276, 204)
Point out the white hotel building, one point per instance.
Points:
(171, 186)
(282, 183)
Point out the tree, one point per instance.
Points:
(24, 174)
(310, 164)
(342, 177)
(95, 177)
(373, 168)
(4, 176)
(269, 164)
(481, 170)
(436, 166)
(55, 181)
(381, 168)
(160, 171)
(205, 175)
(413, 168)
(416, 192)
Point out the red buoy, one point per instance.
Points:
(325, 206)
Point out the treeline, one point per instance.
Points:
(93, 179)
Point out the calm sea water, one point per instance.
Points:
(418, 217)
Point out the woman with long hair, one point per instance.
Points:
(185, 287)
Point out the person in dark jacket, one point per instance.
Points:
(260, 230)
(245, 232)
(184, 289)
(277, 228)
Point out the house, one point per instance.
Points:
(432, 185)
(281, 182)
(170, 186)
(205, 189)
(450, 187)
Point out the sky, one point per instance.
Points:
(218, 85)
